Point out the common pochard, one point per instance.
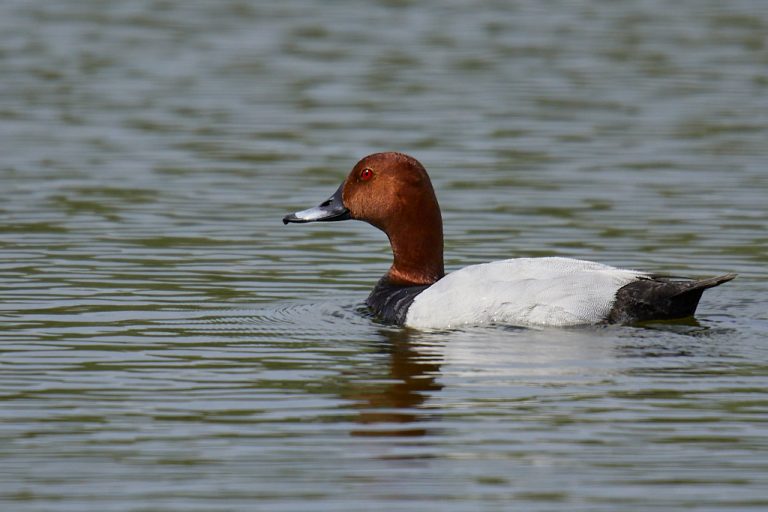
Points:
(393, 192)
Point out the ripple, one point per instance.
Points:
(292, 320)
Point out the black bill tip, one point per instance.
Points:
(291, 217)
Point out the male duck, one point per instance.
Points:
(392, 191)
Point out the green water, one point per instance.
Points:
(167, 344)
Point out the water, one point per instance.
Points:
(167, 344)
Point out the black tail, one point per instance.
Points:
(659, 298)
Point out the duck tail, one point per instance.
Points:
(660, 298)
(704, 284)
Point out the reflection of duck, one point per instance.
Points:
(412, 371)
(393, 192)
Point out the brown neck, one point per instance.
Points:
(418, 251)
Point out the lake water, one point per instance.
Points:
(167, 344)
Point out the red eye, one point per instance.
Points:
(366, 174)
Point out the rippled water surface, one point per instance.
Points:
(167, 344)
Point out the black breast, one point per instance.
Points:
(390, 302)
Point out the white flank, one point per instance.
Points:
(554, 292)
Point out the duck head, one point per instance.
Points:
(392, 192)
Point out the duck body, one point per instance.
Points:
(523, 291)
(393, 192)
(539, 292)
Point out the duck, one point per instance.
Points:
(393, 192)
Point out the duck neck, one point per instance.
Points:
(418, 252)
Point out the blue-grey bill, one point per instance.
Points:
(329, 210)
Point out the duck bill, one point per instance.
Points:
(329, 210)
